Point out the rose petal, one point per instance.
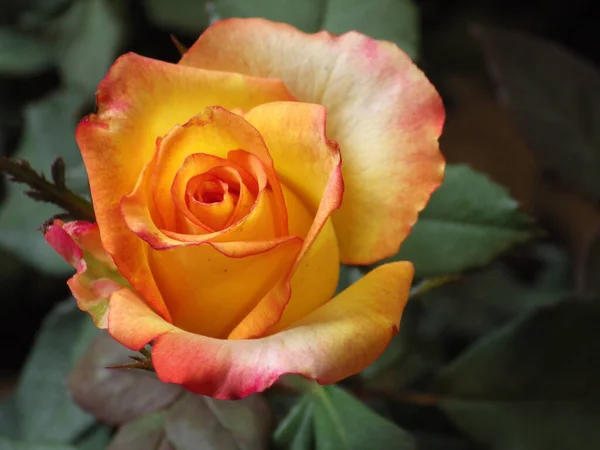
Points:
(217, 132)
(309, 165)
(139, 100)
(226, 183)
(137, 213)
(132, 322)
(208, 287)
(314, 280)
(382, 110)
(335, 341)
(97, 277)
(209, 293)
(64, 244)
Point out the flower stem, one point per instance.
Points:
(55, 191)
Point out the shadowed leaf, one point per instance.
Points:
(188, 16)
(469, 220)
(46, 412)
(117, 396)
(553, 95)
(295, 432)
(147, 433)
(22, 54)
(531, 385)
(201, 422)
(342, 422)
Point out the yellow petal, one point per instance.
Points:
(209, 293)
(382, 110)
(216, 132)
(139, 101)
(309, 166)
(335, 341)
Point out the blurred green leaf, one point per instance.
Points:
(295, 432)
(98, 439)
(485, 299)
(468, 222)
(14, 444)
(9, 425)
(146, 433)
(532, 384)
(343, 422)
(196, 422)
(22, 53)
(188, 16)
(46, 412)
(49, 132)
(328, 418)
(304, 15)
(399, 352)
(36, 13)
(557, 118)
(551, 353)
(348, 276)
(392, 20)
(528, 425)
(91, 34)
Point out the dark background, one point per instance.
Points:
(480, 131)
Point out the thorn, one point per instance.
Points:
(143, 365)
(58, 172)
(182, 48)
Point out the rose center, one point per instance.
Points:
(212, 197)
(211, 192)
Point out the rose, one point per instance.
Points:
(220, 229)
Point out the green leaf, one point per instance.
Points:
(342, 422)
(49, 132)
(116, 396)
(531, 384)
(396, 350)
(348, 276)
(485, 299)
(97, 439)
(146, 433)
(304, 15)
(392, 20)
(45, 410)
(539, 356)
(91, 34)
(187, 16)
(295, 432)
(468, 222)
(557, 119)
(201, 422)
(37, 13)
(22, 53)
(528, 425)
(14, 444)
(9, 425)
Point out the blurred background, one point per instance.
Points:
(515, 224)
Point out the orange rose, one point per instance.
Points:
(221, 229)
